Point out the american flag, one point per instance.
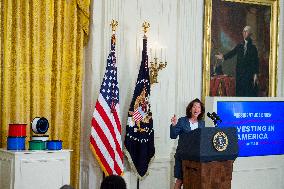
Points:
(105, 139)
(138, 114)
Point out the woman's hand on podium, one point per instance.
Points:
(174, 120)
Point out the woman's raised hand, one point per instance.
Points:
(174, 120)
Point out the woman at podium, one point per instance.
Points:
(193, 120)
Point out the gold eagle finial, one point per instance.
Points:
(113, 25)
(145, 26)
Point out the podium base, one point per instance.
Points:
(207, 175)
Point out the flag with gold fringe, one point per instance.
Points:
(105, 139)
(139, 137)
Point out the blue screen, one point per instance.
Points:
(260, 125)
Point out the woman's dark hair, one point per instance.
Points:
(113, 182)
(190, 105)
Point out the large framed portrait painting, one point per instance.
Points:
(240, 48)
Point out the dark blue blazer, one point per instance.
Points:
(182, 126)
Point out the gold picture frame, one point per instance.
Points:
(227, 14)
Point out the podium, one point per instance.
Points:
(207, 157)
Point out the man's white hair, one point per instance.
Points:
(248, 29)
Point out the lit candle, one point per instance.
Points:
(165, 54)
(161, 57)
(151, 55)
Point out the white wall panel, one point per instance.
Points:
(189, 54)
(130, 15)
(261, 172)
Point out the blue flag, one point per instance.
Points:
(139, 137)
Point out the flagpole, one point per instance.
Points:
(137, 183)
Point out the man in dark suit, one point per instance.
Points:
(247, 67)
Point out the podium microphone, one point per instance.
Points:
(210, 116)
(216, 116)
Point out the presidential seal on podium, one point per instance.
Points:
(220, 141)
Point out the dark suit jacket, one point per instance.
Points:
(247, 65)
(182, 126)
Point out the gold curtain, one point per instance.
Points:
(41, 68)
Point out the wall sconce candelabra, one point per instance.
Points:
(156, 64)
(155, 67)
